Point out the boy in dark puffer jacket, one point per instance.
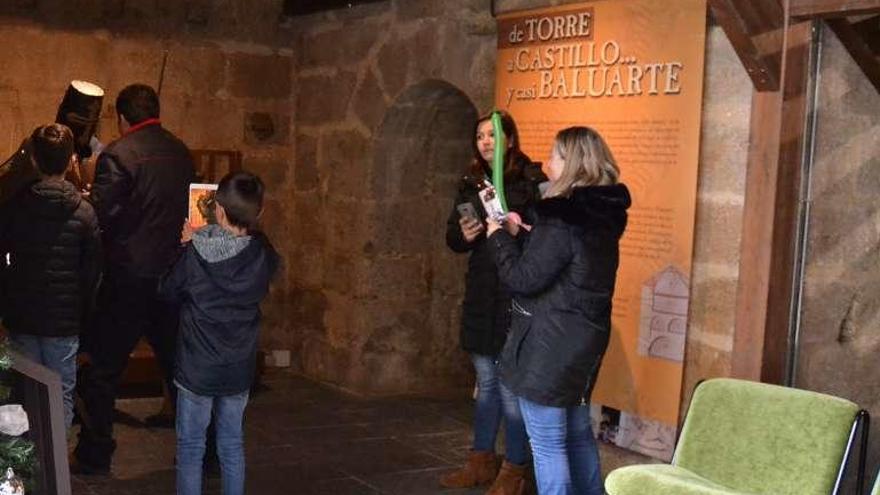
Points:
(220, 280)
(50, 235)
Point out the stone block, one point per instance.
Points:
(341, 272)
(449, 272)
(369, 102)
(393, 63)
(219, 123)
(349, 222)
(260, 76)
(444, 321)
(713, 304)
(195, 71)
(307, 308)
(323, 99)
(425, 52)
(448, 158)
(504, 6)
(273, 171)
(305, 172)
(726, 78)
(466, 56)
(342, 321)
(346, 46)
(134, 61)
(703, 362)
(399, 277)
(377, 313)
(478, 23)
(29, 51)
(307, 220)
(417, 9)
(395, 156)
(264, 128)
(722, 161)
(718, 233)
(345, 156)
(274, 221)
(326, 362)
(305, 266)
(407, 337)
(403, 227)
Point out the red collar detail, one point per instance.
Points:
(141, 125)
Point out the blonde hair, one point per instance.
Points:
(588, 161)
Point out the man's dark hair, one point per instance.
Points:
(241, 196)
(137, 103)
(52, 148)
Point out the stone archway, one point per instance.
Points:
(420, 151)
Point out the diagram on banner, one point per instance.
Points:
(663, 316)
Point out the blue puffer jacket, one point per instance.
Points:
(219, 281)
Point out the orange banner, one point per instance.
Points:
(633, 70)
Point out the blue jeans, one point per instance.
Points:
(56, 353)
(493, 399)
(193, 415)
(565, 452)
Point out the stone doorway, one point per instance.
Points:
(422, 147)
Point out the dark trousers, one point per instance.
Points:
(128, 308)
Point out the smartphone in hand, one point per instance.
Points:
(467, 210)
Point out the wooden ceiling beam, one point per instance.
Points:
(833, 8)
(869, 29)
(742, 23)
(858, 47)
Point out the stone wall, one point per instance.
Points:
(386, 96)
(839, 340)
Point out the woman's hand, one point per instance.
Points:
(492, 227)
(512, 223)
(470, 228)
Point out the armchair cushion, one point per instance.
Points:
(662, 479)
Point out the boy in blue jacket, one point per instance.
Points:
(219, 281)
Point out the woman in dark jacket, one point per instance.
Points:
(486, 309)
(562, 283)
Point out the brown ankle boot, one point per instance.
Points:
(510, 481)
(479, 469)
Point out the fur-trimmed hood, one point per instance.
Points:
(589, 207)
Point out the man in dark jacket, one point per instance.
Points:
(140, 196)
(51, 238)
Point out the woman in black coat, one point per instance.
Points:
(562, 283)
(486, 309)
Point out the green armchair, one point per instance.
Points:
(744, 437)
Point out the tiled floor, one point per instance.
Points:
(305, 438)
